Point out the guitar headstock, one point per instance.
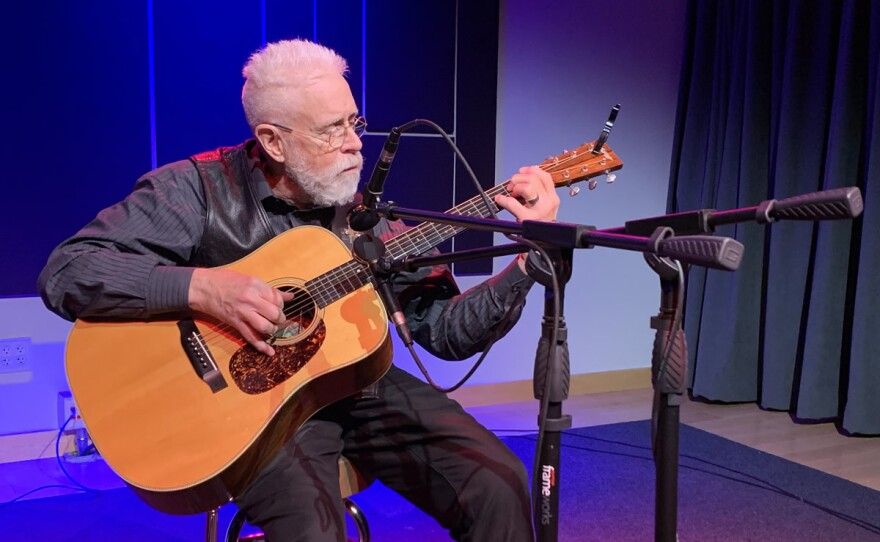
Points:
(580, 164)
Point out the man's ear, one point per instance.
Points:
(271, 141)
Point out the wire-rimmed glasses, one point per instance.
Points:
(334, 136)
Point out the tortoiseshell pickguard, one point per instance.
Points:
(255, 373)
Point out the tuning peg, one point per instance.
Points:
(610, 178)
(573, 190)
(592, 184)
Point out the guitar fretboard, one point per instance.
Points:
(348, 277)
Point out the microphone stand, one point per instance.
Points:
(668, 368)
(669, 356)
(552, 375)
(552, 368)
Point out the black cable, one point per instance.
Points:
(490, 206)
(667, 349)
(762, 484)
(494, 338)
(79, 487)
(473, 176)
(61, 463)
(720, 466)
(50, 486)
(545, 397)
(552, 361)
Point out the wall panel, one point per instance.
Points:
(75, 112)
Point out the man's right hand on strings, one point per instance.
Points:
(248, 304)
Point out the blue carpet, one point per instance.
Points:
(607, 485)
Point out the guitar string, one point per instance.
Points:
(326, 287)
(331, 280)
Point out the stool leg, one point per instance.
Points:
(211, 527)
(359, 518)
(235, 526)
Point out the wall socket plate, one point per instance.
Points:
(66, 408)
(15, 355)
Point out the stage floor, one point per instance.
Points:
(818, 446)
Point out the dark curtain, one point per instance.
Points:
(776, 99)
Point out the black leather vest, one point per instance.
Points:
(236, 223)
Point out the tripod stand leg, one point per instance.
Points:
(666, 460)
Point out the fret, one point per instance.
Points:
(564, 169)
(434, 234)
(348, 277)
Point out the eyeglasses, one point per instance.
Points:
(334, 136)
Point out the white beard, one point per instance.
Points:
(330, 187)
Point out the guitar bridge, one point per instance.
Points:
(199, 356)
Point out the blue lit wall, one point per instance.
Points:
(82, 125)
(98, 93)
(101, 92)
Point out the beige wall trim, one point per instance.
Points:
(36, 445)
(581, 384)
(41, 444)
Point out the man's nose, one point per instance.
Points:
(352, 141)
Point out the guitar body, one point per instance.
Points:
(188, 442)
(188, 414)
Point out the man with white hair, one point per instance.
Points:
(157, 252)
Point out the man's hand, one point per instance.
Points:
(249, 305)
(533, 197)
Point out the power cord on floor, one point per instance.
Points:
(761, 483)
(61, 463)
(77, 485)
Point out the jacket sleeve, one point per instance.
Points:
(129, 262)
(453, 325)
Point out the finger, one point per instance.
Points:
(270, 294)
(279, 297)
(261, 309)
(543, 176)
(259, 344)
(546, 179)
(272, 312)
(511, 204)
(536, 180)
(527, 192)
(260, 325)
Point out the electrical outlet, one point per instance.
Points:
(66, 409)
(15, 355)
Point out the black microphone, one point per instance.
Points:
(364, 216)
(371, 251)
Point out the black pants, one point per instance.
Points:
(416, 441)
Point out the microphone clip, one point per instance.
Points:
(371, 251)
(363, 218)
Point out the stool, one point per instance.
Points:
(351, 481)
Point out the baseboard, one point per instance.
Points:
(36, 445)
(581, 384)
(41, 444)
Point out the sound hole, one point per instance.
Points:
(297, 342)
(300, 312)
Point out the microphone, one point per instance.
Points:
(371, 251)
(364, 216)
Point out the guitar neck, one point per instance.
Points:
(427, 235)
(350, 276)
(584, 162)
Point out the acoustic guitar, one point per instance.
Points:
(187, 413)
